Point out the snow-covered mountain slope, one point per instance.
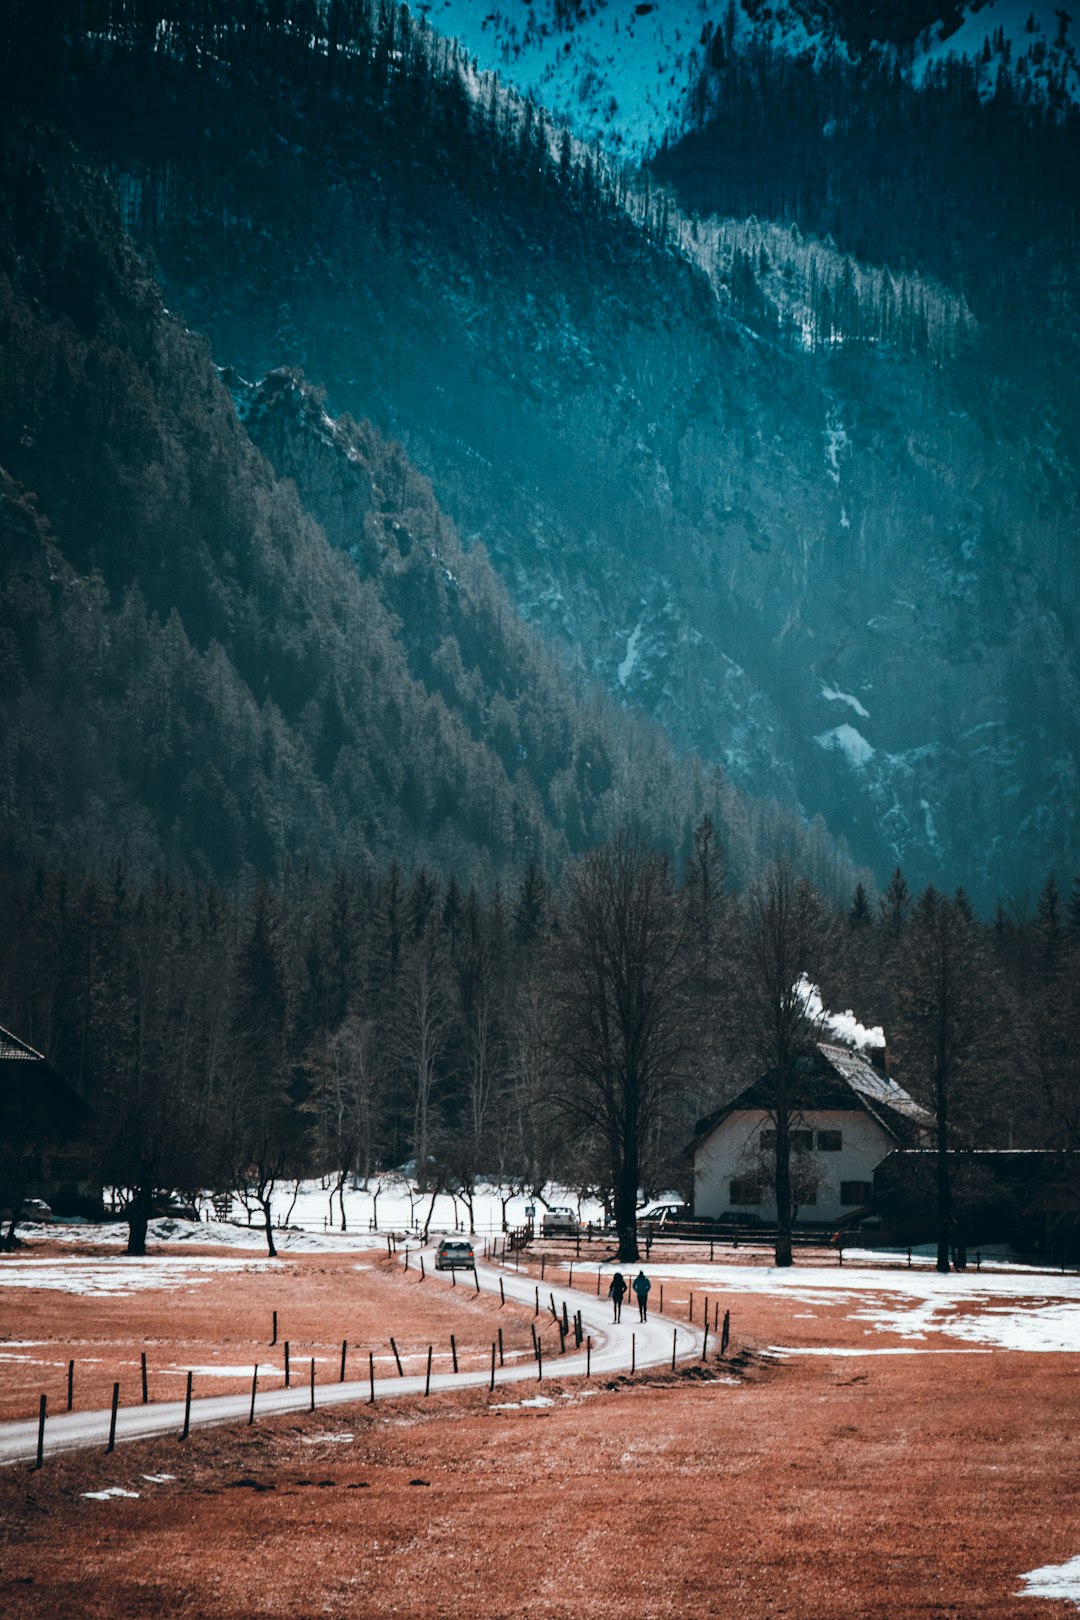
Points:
(620, 74)
(626, 75)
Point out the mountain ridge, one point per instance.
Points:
(721, 525)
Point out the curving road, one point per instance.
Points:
(645, 1344)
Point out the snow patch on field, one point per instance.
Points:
(104, 1496)
(116, 1278)
(784, 1352)
(1055, 1582)
(1021, 1310)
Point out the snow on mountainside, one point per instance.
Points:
(624, 74)
(619, 74)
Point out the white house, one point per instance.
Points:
(850, 1115)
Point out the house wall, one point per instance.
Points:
(732, 1152)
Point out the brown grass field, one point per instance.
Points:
(816, 1488)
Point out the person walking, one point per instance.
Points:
(617, 1293)
(641, 1286)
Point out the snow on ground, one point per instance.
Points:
(624, 75)
(116, 1277)
(1060, 1582)
(846, 740)
(620, 74)
(1000, 28)
(834, 696)
(1020, 1309)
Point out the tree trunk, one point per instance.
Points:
(268, 1228)
(138, 1219)
(626, 1188)
(783, 1188)
(944, 1185)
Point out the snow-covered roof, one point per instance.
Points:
(12, 1049)
(861, 1086)
(877, 1089)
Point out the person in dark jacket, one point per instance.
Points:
(641, 1286)
(617, 1293)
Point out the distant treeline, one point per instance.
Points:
(354, 1023)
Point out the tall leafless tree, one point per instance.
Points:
(620, 984)
(782, 937)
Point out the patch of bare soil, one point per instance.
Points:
(820, 1488)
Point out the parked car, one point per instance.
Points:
(740, 1217)
(559, 1221)
(35, 1209)
(660, 1214)
(181, 1209)
(454, 1254)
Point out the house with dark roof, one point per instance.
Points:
(45, 1149)
(849, 1115)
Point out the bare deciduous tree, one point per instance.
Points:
(782, 936)
(620, 983)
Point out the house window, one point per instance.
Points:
(856, 1192)
(745, 1192)
(829, 1141)
(799, 1141)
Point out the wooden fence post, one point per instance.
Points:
(588, 1356)
(502, 1294)
(71, 1384)
(313, 1383)
(427, 1380)
(371, 1375)
(502, 1359)
(112, 1417)
(726, 1335)
(286, 1363)
(254, 1387)
(145, 1396)
(41, 1431)
(397, 1358)
(453, 1351)
(633, 1353)
(674, 1346)
(274, 1339)
(344, 1352)
(492, 1383)
(187, 1409)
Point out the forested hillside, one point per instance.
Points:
(799, 505)
(196, 675)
